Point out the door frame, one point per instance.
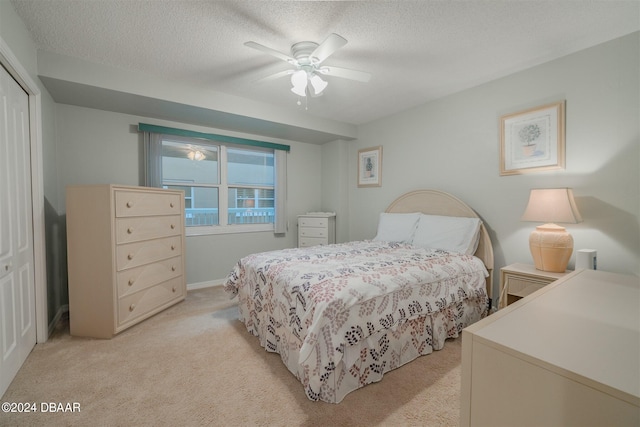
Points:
(20, 74)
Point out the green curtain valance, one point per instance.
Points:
(143, 127)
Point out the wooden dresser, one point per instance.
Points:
(125, 254)
(567, 355)
(316, 228)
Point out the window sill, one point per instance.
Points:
(228, 229)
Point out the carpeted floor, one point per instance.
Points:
(195, 364)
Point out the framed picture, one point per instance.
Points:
(532, 140)
(370, 167)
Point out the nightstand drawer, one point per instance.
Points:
(313, 232)
(520, 280)
(313, 222)
(305, 242)
(518, 284)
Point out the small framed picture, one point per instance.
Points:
(532, 140)
(370, 167)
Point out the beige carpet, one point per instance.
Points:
(195, 364)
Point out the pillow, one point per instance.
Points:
(451, 233)
(397, 227)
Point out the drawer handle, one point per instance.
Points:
(130, 230)
(173, 247)
(173, 226)
(131, 281)
(132, 307)
(130, 257)
(129, 204)
(173, 289)
(171, 204)
(173, 268)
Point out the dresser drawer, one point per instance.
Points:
(143, 228)
(138, 203)
(313, 222)
(138, 278)
(304, 242)
(312, 232)
(135, 254)
(149, 301)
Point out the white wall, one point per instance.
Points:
(14, 33)
(335, 191)
(16, 36)
(452, 144)
(99, 147)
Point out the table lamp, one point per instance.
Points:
(550, 244)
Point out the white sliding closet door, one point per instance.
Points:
(17, 286)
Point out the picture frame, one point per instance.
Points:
(370, 167)
(533, 140)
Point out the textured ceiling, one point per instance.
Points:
(416, 50)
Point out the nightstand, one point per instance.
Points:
(316, 228)
(519, 280)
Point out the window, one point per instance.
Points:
(228, 187)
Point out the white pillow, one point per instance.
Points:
(397, 227)
(451, 233)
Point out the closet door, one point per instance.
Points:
(17, 289)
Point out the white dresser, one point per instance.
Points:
(316, 228)
(566, 355)
(125, 254)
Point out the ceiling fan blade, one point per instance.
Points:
(346, 73)
(271, 52)
(277, 75)
(327, 47)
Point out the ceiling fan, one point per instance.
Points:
(307, 60)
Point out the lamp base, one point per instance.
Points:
(551, 247)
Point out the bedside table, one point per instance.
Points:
(316, 228)
(519, 280)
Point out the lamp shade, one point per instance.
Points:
(552, 205)
(550, 244)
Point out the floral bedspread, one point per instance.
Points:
(334, 296)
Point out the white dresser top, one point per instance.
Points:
(587, 323)
(319, 214)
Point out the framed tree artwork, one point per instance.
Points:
(370, 167)
(533, 140)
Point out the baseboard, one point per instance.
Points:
(54, 322)
(207, 284)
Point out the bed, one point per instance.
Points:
(340, 316)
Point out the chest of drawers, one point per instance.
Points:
(316, 228)
(125, 255)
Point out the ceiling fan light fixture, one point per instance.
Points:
(196, 155)
(318, 84)
(299, 82)
(299, 78)
(308, 57)
(300, 90)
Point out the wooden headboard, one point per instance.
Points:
(435, 202)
